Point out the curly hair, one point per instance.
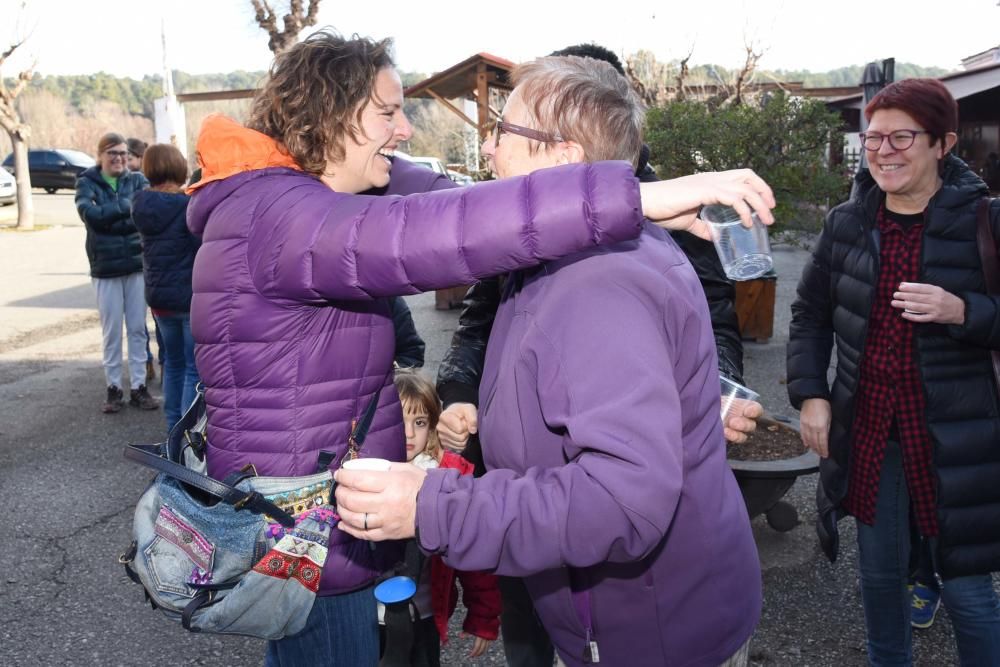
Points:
(315, 93)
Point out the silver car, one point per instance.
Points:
(8, 188)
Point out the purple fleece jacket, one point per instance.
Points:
(292, 337)
(608, 487)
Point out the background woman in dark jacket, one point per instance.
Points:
(910, 434)
(168, 251)
(104, 196)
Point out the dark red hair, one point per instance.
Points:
(928, 101)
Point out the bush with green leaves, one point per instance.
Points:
(784, 139)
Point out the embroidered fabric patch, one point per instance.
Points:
(304, 499)
(179, 532)
(301, 552)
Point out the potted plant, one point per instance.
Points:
(767, 465)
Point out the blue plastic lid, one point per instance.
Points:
(396, 589)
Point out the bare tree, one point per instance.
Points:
(745, 75)
(297, 18)
(19, 133)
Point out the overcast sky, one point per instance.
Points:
(123, 37)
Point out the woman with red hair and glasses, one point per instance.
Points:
(909, 434)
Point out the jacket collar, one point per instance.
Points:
(959, 187)
(226, 148)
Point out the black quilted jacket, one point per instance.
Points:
(113, 244)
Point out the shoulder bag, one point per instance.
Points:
(239, 556)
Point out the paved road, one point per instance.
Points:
(50, 210)
(67, 493)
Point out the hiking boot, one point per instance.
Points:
(140, 398)
(923, 605)
(114, 402)
(150, 372)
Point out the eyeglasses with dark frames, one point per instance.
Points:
(499, 127)
(900, 140)
(116, 153)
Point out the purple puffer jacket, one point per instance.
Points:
(608, 487)
(292, 339)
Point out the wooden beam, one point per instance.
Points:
(217, 95)
(482, 99)
(451, 107)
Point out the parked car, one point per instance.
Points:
(8, 188)
(435, 165)
(53, 169)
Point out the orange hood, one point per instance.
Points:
(226, 148)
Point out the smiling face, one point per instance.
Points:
(908, 177)
(509, 154)
(113, 160)
(383, 126)
(417, 426)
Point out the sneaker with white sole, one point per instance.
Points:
(924, 603)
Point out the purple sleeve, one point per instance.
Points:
(608, 382)
(368, 247)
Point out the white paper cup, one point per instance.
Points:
(745, 252)
(734, 398)
(378, 465)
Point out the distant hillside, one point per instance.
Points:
(851, 75)
(843, 76)
(135, 96)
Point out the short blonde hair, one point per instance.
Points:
(583, 100)
(418, 391)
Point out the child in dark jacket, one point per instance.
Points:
(168, 252)
(437, 594)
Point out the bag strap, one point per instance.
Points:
(991, 265)
(360, 428)
(149, 456)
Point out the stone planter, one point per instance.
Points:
(764, 483)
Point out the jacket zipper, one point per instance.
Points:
(581, 605)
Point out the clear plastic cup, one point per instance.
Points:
(735, 397)
(745, 252)
(379, 465)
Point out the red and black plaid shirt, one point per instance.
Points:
(890, 389)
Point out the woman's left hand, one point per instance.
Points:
(928, 303)
(479, 645)
(377, 505)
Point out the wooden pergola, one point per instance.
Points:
(472, 79)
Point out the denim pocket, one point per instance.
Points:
(178, 555)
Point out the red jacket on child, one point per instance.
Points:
(480, 593)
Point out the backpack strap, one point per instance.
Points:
(991, 265)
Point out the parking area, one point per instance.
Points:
(50, 210)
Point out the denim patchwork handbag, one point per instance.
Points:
(239, 556)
